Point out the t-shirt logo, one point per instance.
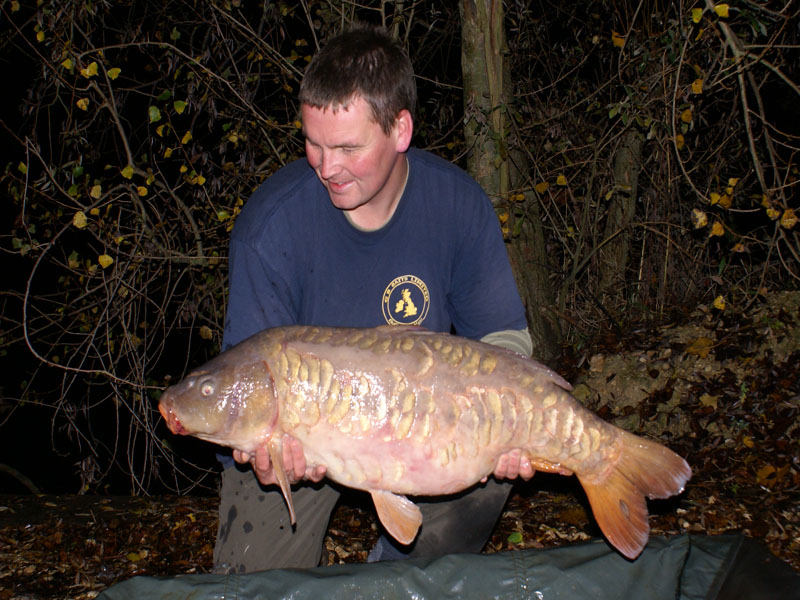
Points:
(406, 301)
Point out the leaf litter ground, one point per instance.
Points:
(724, 391)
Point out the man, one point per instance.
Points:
(364, 232)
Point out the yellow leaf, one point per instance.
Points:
(200, 180)
(160, 130)
(686, 115)
(503, 216)
(40, 36)
(90, 70)
(96, 191)
(719, 303)
(83, 104)
(699, 218)
(183, 169)
(297, 124)
(105, 260)
(714, 196)
(179, 106)
(700, 347)
(541, 188)
(788, 220)
(67, 63)
(114, 73)
(187, 137)
(697, 86)
(773, 213)
(617, 39)
(142, 190)
(94, 212)
(697, 14)
(708, 400)
(127, 172)
(740, 247)
(748, 441)
(679, 141)
(725, 201)
(79, 219)
(561, 180)
(167, 152)
(206, 333)
(14, 6)
(721, 10)
(133, 557)
(717, 229)
(733, 181)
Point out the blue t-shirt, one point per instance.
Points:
(440, 262)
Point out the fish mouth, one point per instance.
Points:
(172, 420)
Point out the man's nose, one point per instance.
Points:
(329, 164)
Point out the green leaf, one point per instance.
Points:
(515, 538)
(165, 95)
(154, 113)
(180, 106)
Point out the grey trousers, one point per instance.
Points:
(255, 534)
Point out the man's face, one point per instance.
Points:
(361, 166)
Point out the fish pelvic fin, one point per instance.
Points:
(275, 448)
(644, 468)
(399, 515)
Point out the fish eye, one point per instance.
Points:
(207, 387)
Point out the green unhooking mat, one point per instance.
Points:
(687, 567)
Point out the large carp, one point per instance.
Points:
(401, 410)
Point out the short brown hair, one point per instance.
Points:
(363, 61)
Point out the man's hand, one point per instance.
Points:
(294, 463)
(514, 464)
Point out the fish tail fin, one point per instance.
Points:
(643, 468)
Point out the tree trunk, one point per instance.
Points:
(487, 91)
(614, 256)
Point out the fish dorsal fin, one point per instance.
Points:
(275, 448)
(399, 515)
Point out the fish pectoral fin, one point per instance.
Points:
(399, 515)
(275, 448)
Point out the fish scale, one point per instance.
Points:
(401, 410)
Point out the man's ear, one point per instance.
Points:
(403, 129)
